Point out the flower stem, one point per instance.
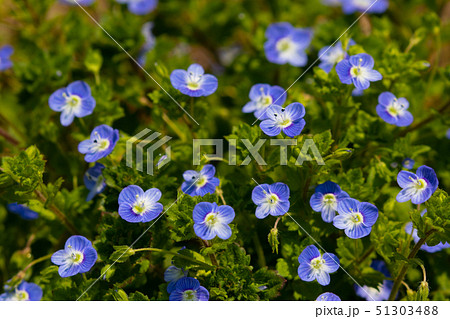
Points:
(276, 222)
(211, 256)
(21, 274)
(168, 252)
(412, 254)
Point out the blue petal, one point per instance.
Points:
(80, 89)
(67, 116)
(269, 128)
(259, 90)
(363, 59)
(405, 194)
(87, 107)
(174, 273)
(259, 193)
(305, 272)
(328, 296)
(343, 71)
(126, 213)
(204, 232)
(386, 98)
(142, 7)
(23, 211)
(178, 78)
(226, 213)
(331, 262)
(358, 231)
(189, 188)
(342, 221)
(78, 243)
(316, 202)
(373, 75)
(68, 270)
(176, 295)
(33, 290)
(262, 211)
(422, 196)
(59, 257)
(429, 175)
(347, 206)
(278, 95)
(208, 171)
(295, 128)
(190, 175)
(361, 83)
(280, 208)
(196, 69)
(201, 210)
(209, 84)
(323, 278)
(328, 213)
(187, 283)
(278, 30)
(152, 213)
(202, 294)
(57, 101)
(223, 231)
(309, 253)
(369, 212)
(90, 257)
(128, 194)
(385, 115)
(208, 188)
(250, 107)
(404, 179)
(328, 187)
(281, 190)
(152, 195)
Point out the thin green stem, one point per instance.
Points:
(21, 273)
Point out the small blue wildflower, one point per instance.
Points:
(172, 275)
(356, 218)
(393, 110)
(23, 211)
(262, 96)
(383, 290)
(101, 143)
(200, 183)
(25, 291)
(75, 100)
(211, 220)
(408, 163)
(326, 199)
(149, 43)
(315, 266)
(328, 296)
(417, 187)
(189, 289)
(94, 180)
(271, 199)
(376, 6)
(140, 7)
(430, 249)
(289, 120)
(5, 53)
(331, 55)
(135, 206)
(358, 69)
(78, 256)
(286, 44)
(78, 2)
(194, 82)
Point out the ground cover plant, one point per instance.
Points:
(333, 118)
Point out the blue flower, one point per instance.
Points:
(80, 2)
(356, 218)
(393, 110)
(328, 296)
(211, 220)
(149, 43)
(271, 199)
(351, 6)
(331, 55)
(417, 187)
(23, 211)
(262, 96)
(289, 120)
(5, 53)
(140, 7)
(358, 69)
(408, 163)
(135, 206)
(194, 82)
(189, 289)
(383, 290)
(172, 275)
(326, 199)
(430, 249)
(75, 100)
(25, 291)
(314, 266)
(94, 181)
(78, 256)
(286, 44)
(101, 143)
(200, 183)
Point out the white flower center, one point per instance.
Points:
(357, 218)
(419, 184)
(22, 295)
(72, 101)
(395, 109)
(189, 295)
(202, 180)
(100, 144)
(211, 219)
(317, 263)
(194, 81)
(272, 199)
(329, 199)
(139, 206)
(284, 45)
